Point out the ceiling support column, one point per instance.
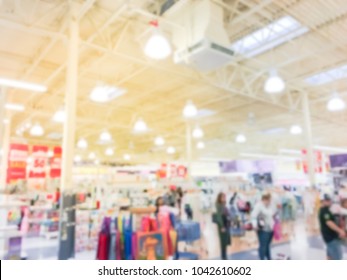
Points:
(309, 142)
(189, 148)
(67, 202)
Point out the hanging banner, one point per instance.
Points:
(17, 161)
(338, 161)
(56, 163)
(39, 156)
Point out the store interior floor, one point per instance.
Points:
(301, 244)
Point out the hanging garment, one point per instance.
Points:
(127, 245)
(118, 246)
(146, 224)
(103, 246)
(112, 247)
(134, 246)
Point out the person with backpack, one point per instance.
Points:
(331, 232)
(263, 221)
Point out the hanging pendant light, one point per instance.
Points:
(105, 136)
(77, 158)
(36, 130)
(336, 103)
(109, 152)
(190, 110)
(140, 126)
(296, 130)
(274, 83)
(198, 132)
(200, 145)
(159, 141)
(171, 150)
(91, 156)
(59, 116)
(82, 143)
(240, 138)
(157, 46)
(127, 157)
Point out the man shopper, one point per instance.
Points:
(331, 232)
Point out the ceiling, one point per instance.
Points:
(33, 47)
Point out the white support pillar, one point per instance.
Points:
(188, 148)
(70, 103)
(67, 214)
(309, 143)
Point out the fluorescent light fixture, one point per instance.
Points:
(105, 136)
(296, 130)
(159, 141)
(59, 116)
(328, 76)
(268, 156)
(290, 151)
(330, 149)
(109, 152)
(105, 93)
(274, 130)
(6, 121)
(240, 138)
(55, 136)
(127, 157)
(14, 107)
(200, 145)
(91, 156)
(274, 84)
(36, 130)
(77, 158)
(203, 113)
(269, 37)
(22, 85)
(157, 46)
(140, 126)
(50, 153)
(190, 110)
(198, 132)
(171, 150)
(82, 143)
(336, 103)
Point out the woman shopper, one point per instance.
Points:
(223, 223)
(263, 222)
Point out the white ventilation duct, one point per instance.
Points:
(203, 41)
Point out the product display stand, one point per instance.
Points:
(67, 228)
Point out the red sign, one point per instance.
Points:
(17, 158)
(39, 155)
(174, 171)
(56, 163)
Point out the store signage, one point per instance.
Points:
(247, 166)
(337, 161)
(56, 163)
(17, 158)
(39, 155)
(318, 161)
(172, 171)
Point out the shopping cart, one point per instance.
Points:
(188, 232)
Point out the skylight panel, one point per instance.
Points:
(328, 76)
(268, 37)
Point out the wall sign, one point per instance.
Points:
(17, 162)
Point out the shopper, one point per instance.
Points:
(330, 231)
(223, 223)
(263, 222)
